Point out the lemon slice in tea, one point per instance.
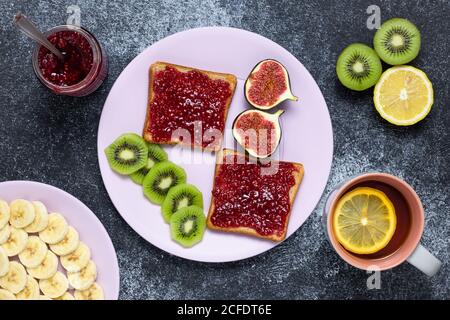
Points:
(403, 95)
(364, 220)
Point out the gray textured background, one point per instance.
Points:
(52, 139)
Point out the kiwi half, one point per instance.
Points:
(160, 179)
(358, 67)
(127, 154)
(187, 226)
(156, 154)
(180, 196)
(397, 41)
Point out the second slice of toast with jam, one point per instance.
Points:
(253, 198)
(187, 106)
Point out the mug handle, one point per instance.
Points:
(423, 260)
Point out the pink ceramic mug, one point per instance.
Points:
(405, 244)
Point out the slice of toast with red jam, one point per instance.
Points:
(253, 198)
(187, 106)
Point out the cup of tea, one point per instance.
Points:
(376, 220)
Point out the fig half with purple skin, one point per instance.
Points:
(258, 132)
(268, 85)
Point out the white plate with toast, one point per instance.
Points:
(306, 136)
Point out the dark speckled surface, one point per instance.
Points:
(52, 139)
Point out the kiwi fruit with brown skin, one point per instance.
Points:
(160, 179)
(397, 41)
(358, 67)
(127, 154)
(156, 154)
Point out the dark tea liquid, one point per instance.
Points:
(403, 212)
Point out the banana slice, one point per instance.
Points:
(56, 230)
(67, 245)
(42, 297)
(22, 213)
(55, 286)
(4, 233)
(78, 259)
(16, 278)
(4, 262)
(66, 296)
(34, 252)
(46, 269)
(31, 290)
(83, 279)
(94, 292)
(6, 295)
(40, 221)
(4, 213)
(16, 242)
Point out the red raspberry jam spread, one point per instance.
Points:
(264, 129)
(243, 197)
(78, 59)
(188, 100)
(267, 84)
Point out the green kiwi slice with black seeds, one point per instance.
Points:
(358, 67)
(163, 176)
(180, 196)
(187, 226)
(127, 154)
(156, 154)
(397, 41)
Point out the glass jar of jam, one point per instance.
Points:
(85, 65)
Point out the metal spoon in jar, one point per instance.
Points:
(27, 27)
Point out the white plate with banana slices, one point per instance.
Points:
(52, 247)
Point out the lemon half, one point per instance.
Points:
(403, 95)
(364, 220)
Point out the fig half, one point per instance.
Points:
(258, 132)
(268, 85)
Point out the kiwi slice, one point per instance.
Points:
(156, 154)
(160, 179)
(397, 41)
(181, 196)
(358, 67)
(127, 154)
(187, 226)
